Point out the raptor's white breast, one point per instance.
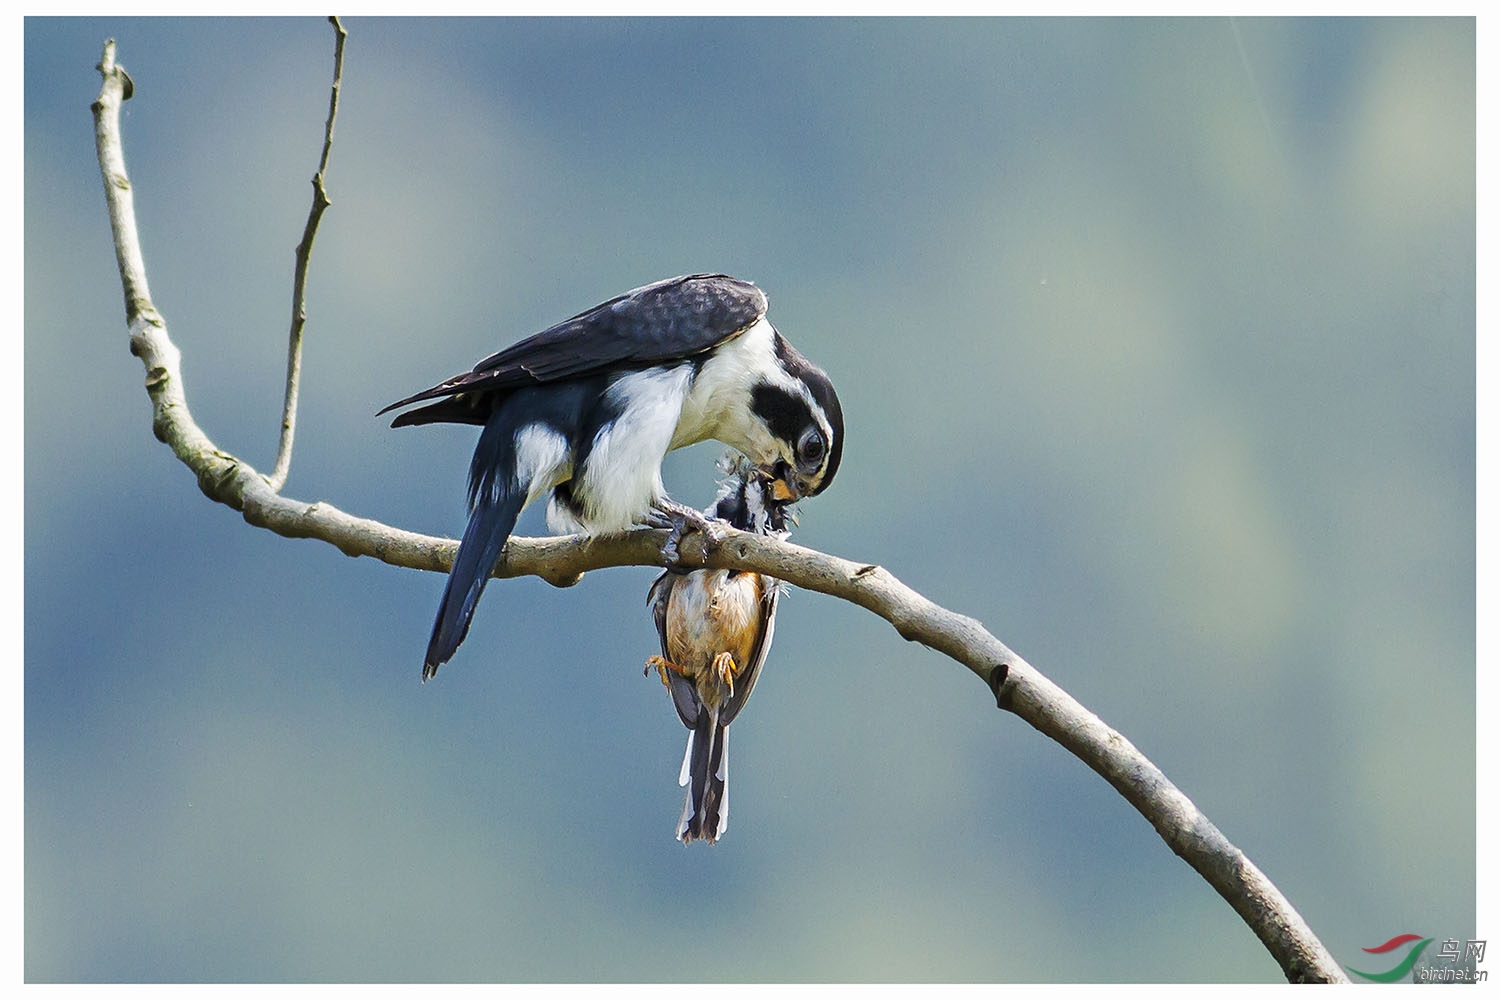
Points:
(718, 403)
(621, 475)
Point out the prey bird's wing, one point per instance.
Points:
(678, 318)
(745, 682)
(684, 694)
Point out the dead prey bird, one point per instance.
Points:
(715, 627)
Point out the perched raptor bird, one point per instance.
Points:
(715, 627)
(587, 410)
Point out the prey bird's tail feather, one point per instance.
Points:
(705, 813)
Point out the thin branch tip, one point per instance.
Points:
(302, 257)
(109, 68)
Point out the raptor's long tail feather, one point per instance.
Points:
(490, 525)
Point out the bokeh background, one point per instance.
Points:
(1156, 344)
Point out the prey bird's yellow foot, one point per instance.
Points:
(727, 670)
(662, 665)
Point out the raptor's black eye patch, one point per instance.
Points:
(785, 413)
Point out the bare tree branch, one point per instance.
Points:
(320, 201)
(1016, 686)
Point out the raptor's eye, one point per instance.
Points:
(810, 449)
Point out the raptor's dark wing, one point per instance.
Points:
(676, 318)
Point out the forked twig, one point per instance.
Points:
(277, 479)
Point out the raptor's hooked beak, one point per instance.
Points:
(783, 483)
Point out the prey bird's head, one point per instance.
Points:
(799, 407)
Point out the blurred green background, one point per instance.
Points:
(1155, 340)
